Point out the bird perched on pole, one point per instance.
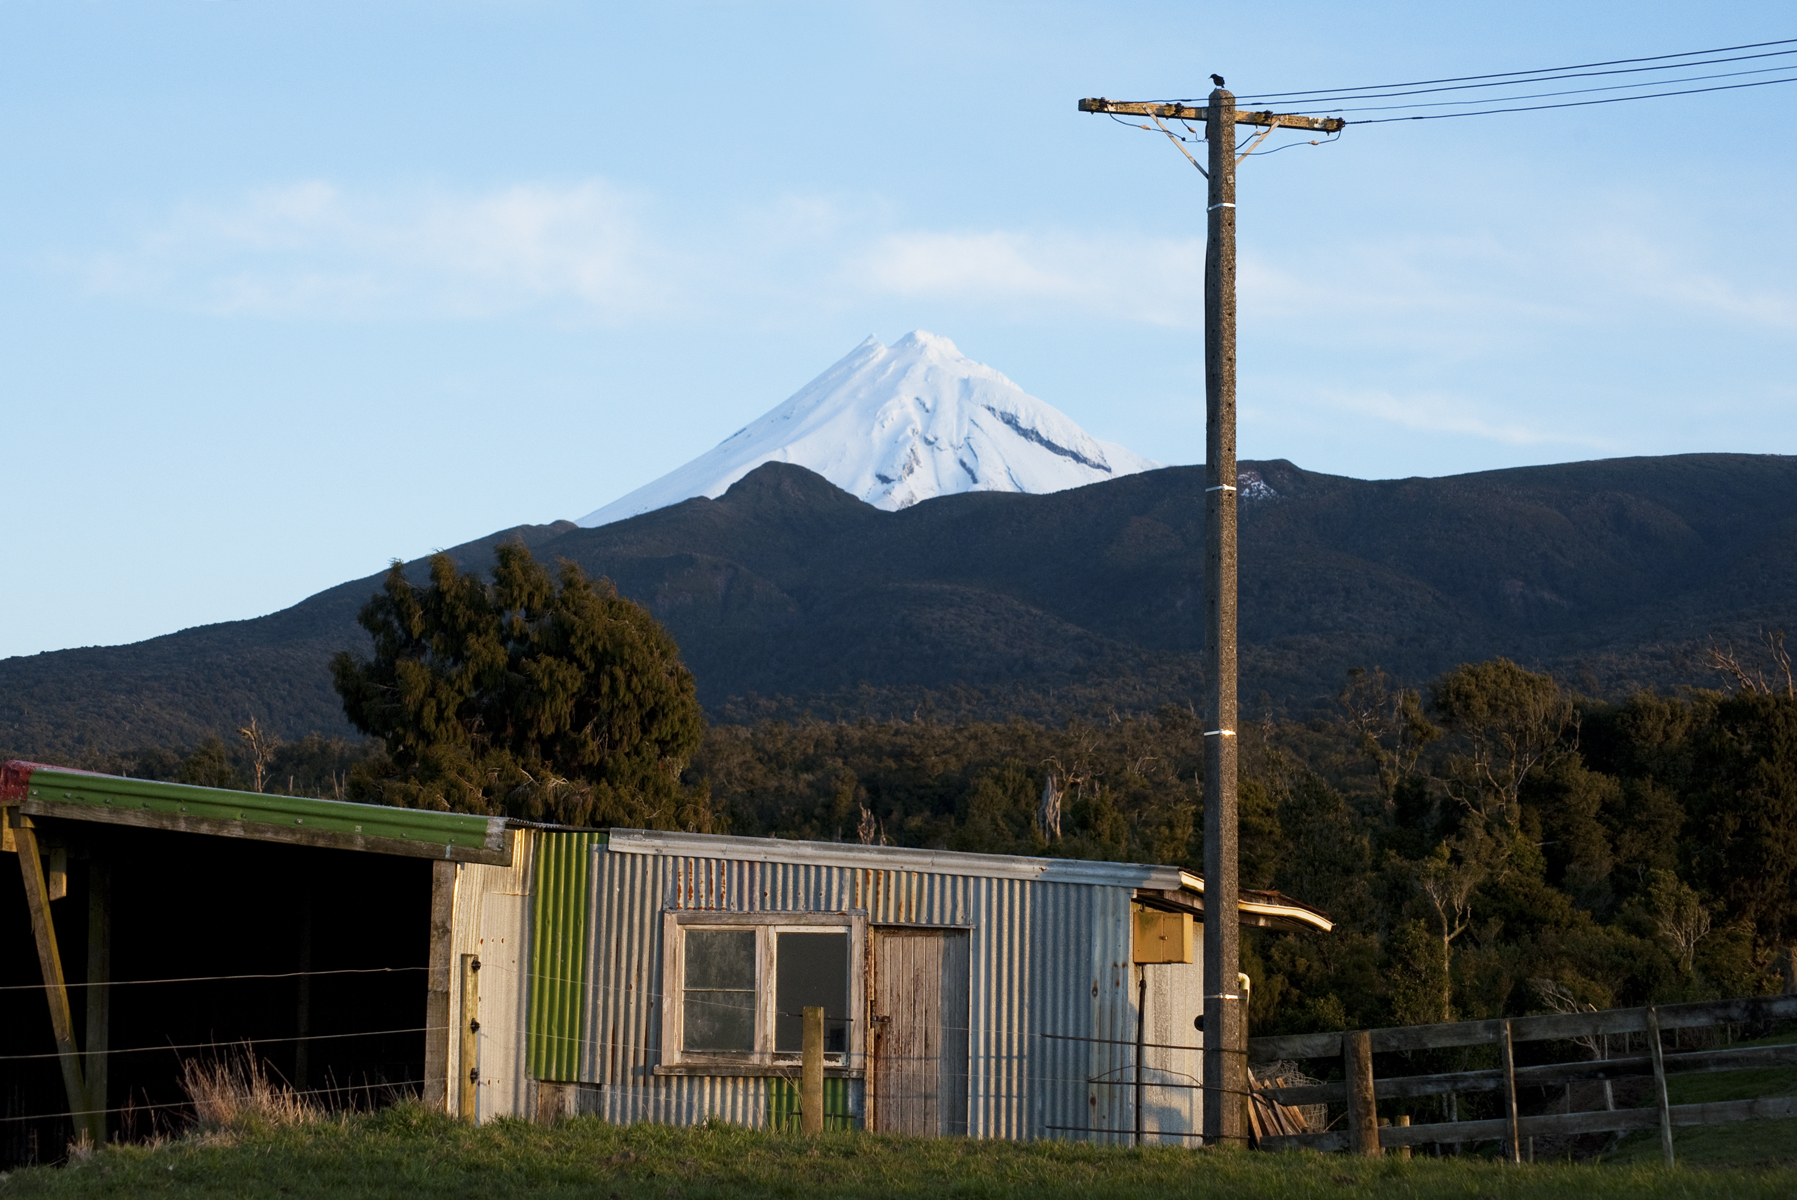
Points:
(1217, 79)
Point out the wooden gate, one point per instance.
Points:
(919, 1051)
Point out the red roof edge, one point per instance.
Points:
(15, 777)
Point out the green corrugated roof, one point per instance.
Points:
(111, 793)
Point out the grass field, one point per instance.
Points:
(1745, 1143)
(407, 1151)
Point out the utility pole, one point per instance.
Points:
(1225, 1019)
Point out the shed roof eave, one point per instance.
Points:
(111, 799)
(905, 858)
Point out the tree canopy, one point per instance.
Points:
(528, 695)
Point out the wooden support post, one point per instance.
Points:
(1659, 1083)
(1225, 1052)
(811, 1072)
(1402, 1121)
(56, 991)
(1507, 1059)
(1363, 1111)
(436, 995)
(98, 1001)
(468, 1074)
(1225, 1043)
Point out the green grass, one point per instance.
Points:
(1744, 1143)
(407, 1151)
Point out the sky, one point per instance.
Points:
(288, 290)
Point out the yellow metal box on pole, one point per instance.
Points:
(1162, 937)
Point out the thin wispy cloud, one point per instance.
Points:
(315, 250)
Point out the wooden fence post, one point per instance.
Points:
(1507, 1054)
(811, 1072)
(1659, 1083)
(468, 1075)
(1363, 1112)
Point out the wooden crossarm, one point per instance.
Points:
(1182, 112)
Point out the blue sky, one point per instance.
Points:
(289, 289)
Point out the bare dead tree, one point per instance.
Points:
(262, 750)
(1561, 1000)
(1725, 661)
(1048, 813)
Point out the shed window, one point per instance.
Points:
(811, 970)
(738, 985)
(720, 989)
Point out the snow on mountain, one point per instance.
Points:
(895, 425)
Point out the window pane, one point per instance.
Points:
(719, 1013)
(720, 1020)
(811, 970)
(720, 958)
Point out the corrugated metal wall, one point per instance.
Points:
(1046, 959)
(560, 912)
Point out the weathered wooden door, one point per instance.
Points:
(918, 1002)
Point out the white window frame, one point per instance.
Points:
(767, 926)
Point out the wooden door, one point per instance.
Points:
(502, 968)
(919, 1049)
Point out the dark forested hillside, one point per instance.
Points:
(788, 595)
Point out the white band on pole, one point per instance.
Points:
(1219, 733)
(1221, 487)
(1224, 204)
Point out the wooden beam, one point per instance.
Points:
(1412, 1087)
(262, 831)
(1547, 1027)
(56, 991)
(1185, 112)
(1622, 1120)
(436, 997)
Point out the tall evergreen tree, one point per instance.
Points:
(527, 696)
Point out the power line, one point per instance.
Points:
(112, 983)
(1644, 83)
(1728, 87)
(1511, 74)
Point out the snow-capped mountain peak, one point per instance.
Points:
(898, 424)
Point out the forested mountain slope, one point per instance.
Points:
(1615, 575)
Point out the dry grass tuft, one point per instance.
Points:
(233, 1092)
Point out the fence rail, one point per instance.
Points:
(1360, 1090)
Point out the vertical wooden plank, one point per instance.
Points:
(1507, 1059)
(468, 1074)
(1363, 1112)
(49, 958)
(1659, 1083)
(953, 1013)
(436, 997)
(98, 1001)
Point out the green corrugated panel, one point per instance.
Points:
(559, 918)
(783, 1105)
(460, 830)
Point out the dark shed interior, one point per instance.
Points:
(313, 959)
